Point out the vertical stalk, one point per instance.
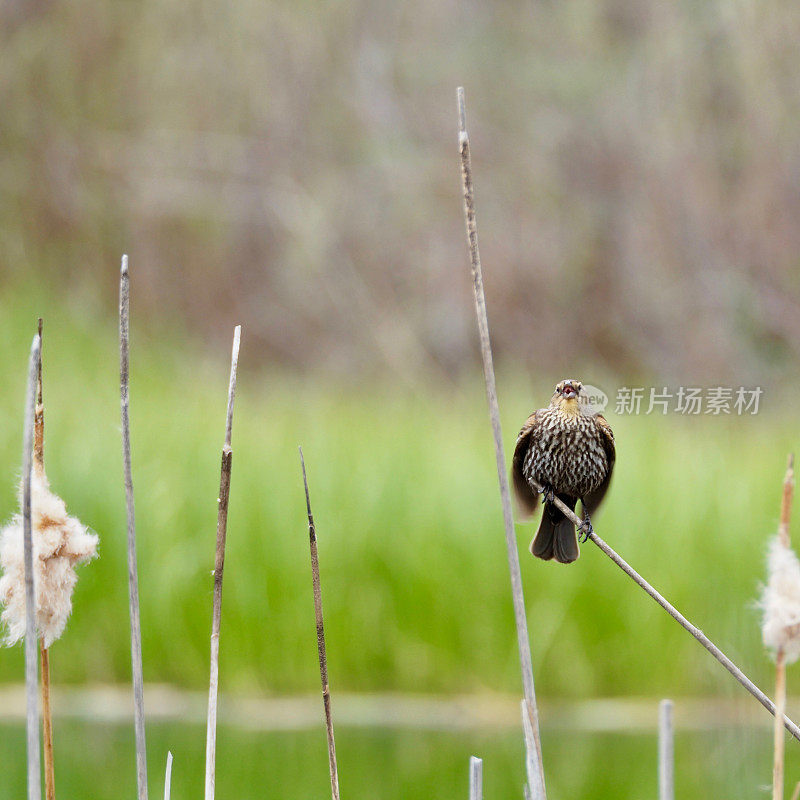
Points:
(219, 565)
(133, 578)
(323, 658)
(666, 752)
(475, 778)
(31, 696)
(47, 717)
(777, 728)
(47, 725)
(780, 656)
(523, 642)
(168, 777)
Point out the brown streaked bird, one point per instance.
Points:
(567, 449)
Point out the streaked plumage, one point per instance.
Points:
(569, 449)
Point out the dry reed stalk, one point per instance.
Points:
(323, 658)
(219, 565)
(780, 653)
(475, 778)
(666, 752)
(777, 729)
(678, 617)
(31, 677)
(47, 725)
(133, 580)
(44, 653)
(796, 792)
(534, 758)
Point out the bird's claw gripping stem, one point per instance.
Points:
(585, 529)
(548, 495)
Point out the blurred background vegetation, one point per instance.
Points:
(292, 167)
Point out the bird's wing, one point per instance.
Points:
(526, 499)
(593, 499)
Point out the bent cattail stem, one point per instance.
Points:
(677, 616)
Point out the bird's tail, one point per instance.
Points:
(556, 537)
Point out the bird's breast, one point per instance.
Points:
(567, 453)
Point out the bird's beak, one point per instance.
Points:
(569, 391)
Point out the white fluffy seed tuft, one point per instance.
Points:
(60, 542)
(780, 601)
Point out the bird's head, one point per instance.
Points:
(567, 396)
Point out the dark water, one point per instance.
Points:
(96, 762)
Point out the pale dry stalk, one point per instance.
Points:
(321, 651)
(133, 577)
(31, 677)
(219, 565)
(678, 617)
(780, 654)
(534, 758)
(44, 652)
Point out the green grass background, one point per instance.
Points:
(404, 491)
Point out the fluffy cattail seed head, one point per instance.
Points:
(780, 601)
(60, 542)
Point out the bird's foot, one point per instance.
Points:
(585, 529)
(548, 495)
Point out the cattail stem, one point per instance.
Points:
(777, 734)
(38, 417)
(47, 725)
(786, 502)
(666, 752)
(31, 666)
(677, 616)
(219, 564)
(780, 654)
(323, 658)
(47, 718)
(133, 579)
(538, 790)
(168, 777)
(475, 778)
